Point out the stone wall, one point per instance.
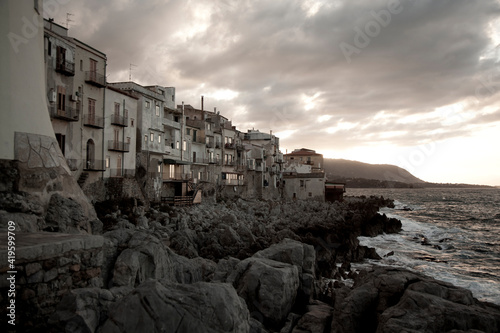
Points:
(48, 265)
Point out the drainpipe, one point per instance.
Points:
(103, 117)
(123, 138)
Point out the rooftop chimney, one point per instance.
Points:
(201, 102)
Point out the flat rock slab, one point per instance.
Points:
(44, 245)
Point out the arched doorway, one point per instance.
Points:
(90, 159)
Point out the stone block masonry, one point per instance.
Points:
(48, 265)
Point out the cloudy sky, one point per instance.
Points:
(411, 83)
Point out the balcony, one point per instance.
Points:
(229, 146)
(210, 144)
(117, 173)
(95, 165)
(65, 67)
(114, 145)
(118, 120)
(92, 120)
(177, 176)
(95, 79)
(229, 163)
(217, 145)
(214, 160)
(68, 114)
(171, 123)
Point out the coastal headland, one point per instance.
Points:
(228, 266)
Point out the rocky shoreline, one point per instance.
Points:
(244, 266)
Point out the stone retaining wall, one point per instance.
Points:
(48, 265)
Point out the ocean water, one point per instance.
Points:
(452, 235)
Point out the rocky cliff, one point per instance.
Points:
(235, 266)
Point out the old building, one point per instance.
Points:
(264, 161)
(150, 137)
(120, 133)
(303, 175)
(75, 82)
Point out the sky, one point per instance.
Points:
(410, 83)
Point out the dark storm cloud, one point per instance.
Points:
(275, 54)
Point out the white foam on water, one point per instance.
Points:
(442, 262)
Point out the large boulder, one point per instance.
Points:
(163, 306)
(299, 254)
(291, 252)
(397, 300)
(81, 310)
(66, 215)
(316, 319)
(269, 287)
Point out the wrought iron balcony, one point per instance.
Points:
(116, 119)
(69, 113)
(65, 67)
(229, 146)
(118, 146)
(95, 79)
(92, 120)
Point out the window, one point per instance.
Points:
(301, 183)
(148, 104)
(157, 110)
(194, 135)
(310, 194)
(171, 169)
(177, 145)
(81, 65)
(93, 69)
(60, 57)
(176, 119)
(49, 48)
(132, 122)
(61, 141)
(159, 138)
(117, 109)
(188, 131)
(107, 162)
(128, 139)
(152, 137)
(184, 145)
(61, 100)
(145, 138)
(159, 168)
(91, 115)
(209, 126)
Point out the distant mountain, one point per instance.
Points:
(339, 168)
(364, 175)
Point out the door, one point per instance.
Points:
(90, 161)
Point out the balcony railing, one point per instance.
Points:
(115, 173)
(214, 160)
(116, 119)
(118, 146)
(229, 145)
(230, 163)
(210, 144)
(93, 121)
(65, 67)
(177, 176)
(171, 123)
(68, 114)
(217, 145)
(94, 165)
(95, 79)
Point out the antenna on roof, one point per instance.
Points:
(130, 71)
(68, 19)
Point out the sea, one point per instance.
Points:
(452, 235)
